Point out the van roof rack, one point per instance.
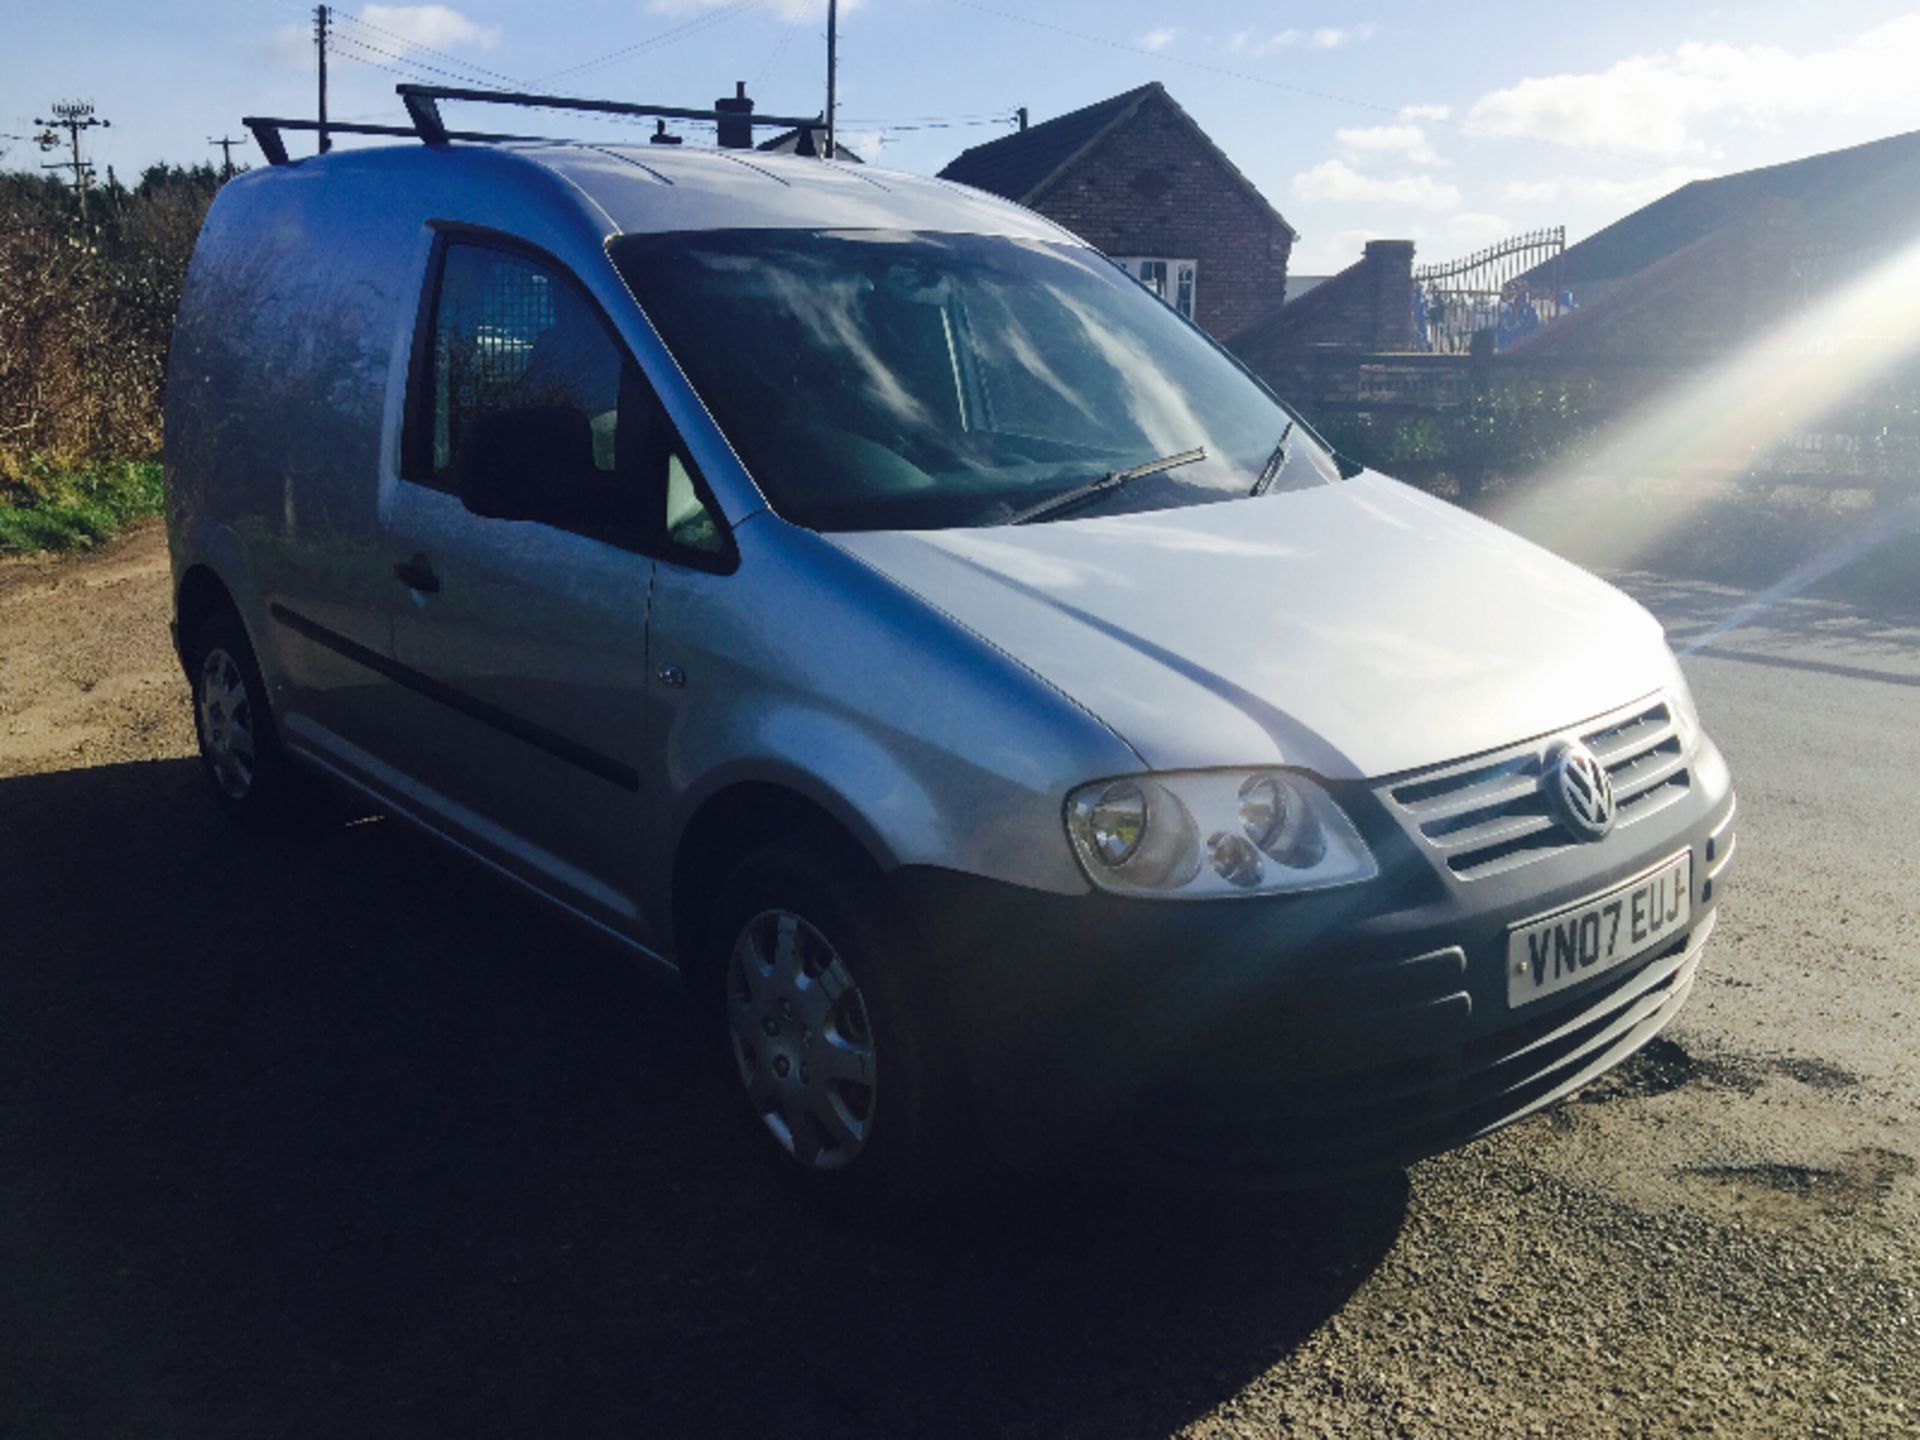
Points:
(423, 109)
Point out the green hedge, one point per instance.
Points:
(53, 509)
(1503, 434)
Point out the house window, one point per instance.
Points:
(1172, 280)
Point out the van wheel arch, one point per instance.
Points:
(755, 830)
(202, 593)
(729, 824)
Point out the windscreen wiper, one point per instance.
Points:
(1112, 480)
(1276, 462)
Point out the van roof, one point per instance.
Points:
(655, 188)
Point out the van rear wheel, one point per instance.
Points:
(830, 1043)
(250, 775)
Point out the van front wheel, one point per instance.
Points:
(831, 1047)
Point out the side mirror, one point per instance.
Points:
(536, 463)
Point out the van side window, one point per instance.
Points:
(508, 335)
(516, 360)
(690, 523)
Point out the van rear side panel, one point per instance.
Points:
(292, 327)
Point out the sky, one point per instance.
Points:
(1453, 125)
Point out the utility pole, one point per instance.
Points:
(73, 116)
(226, 144)
(321, 15)
(833, 38)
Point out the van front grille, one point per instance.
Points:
(1490, 815)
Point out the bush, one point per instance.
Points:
(45, 508)
(1504, 434)
(86, 313)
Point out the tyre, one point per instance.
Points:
(240, 753)
(831, 1040)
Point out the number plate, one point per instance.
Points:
(1567, 947)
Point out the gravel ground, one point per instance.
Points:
(334, 1137)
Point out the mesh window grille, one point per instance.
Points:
(493, 309)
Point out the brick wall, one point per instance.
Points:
(1153, 187)
(1367, 307)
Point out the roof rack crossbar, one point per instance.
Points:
(423, 108)
(266, 133)
(424, 111)
(428, 95)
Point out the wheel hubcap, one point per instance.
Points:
(802, 1039)
(225, 715)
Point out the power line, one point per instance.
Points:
(791, 29)
(678, 32)
(898, 129)
(981, 116)
(379, 65)
(412, 66)
(429, 50)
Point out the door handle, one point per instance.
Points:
(417, 574)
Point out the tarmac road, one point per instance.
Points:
(333, 1137)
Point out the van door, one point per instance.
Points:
(522, 645)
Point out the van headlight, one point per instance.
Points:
(1210, 833)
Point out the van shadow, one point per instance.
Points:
(337, 1136)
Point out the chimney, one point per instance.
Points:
(736, 133)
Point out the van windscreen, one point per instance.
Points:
(874, 379)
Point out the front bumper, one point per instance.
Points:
(1297, 1038)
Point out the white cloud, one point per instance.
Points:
(1425, 112)
(437, 27)
(1337, 180)
(1157, 39)
(1597, 191)
(1403, 142)
(1326, 37)
(1651, 104)
(1331, 37)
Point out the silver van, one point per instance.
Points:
(865, 603)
